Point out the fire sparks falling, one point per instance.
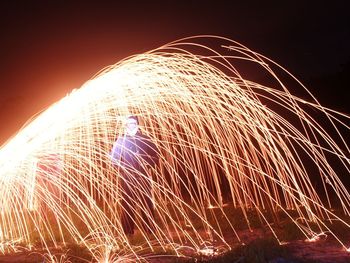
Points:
(223, 140)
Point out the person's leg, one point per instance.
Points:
(147, 207)
(127, 205)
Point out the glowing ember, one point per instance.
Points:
(222, 139)
(316, 237)
(208, 251)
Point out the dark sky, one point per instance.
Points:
(50, 47)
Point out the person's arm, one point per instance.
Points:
(152, 152)
(116, 153)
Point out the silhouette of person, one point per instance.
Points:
(135, 153)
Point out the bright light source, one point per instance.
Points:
(222, 139)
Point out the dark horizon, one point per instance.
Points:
(49, 49)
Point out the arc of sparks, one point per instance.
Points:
(223, 140)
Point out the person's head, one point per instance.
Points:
(132, 125)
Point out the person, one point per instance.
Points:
(135, 154)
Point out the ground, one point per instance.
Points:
(257, 249)
(257, 245)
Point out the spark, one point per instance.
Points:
(316, 237)
(223, 139)
(63, 258)
(208, 251)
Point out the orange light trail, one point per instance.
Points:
(224, 141)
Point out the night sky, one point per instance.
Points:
(49, 49)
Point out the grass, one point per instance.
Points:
(261, 247)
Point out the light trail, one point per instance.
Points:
(225, 141)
